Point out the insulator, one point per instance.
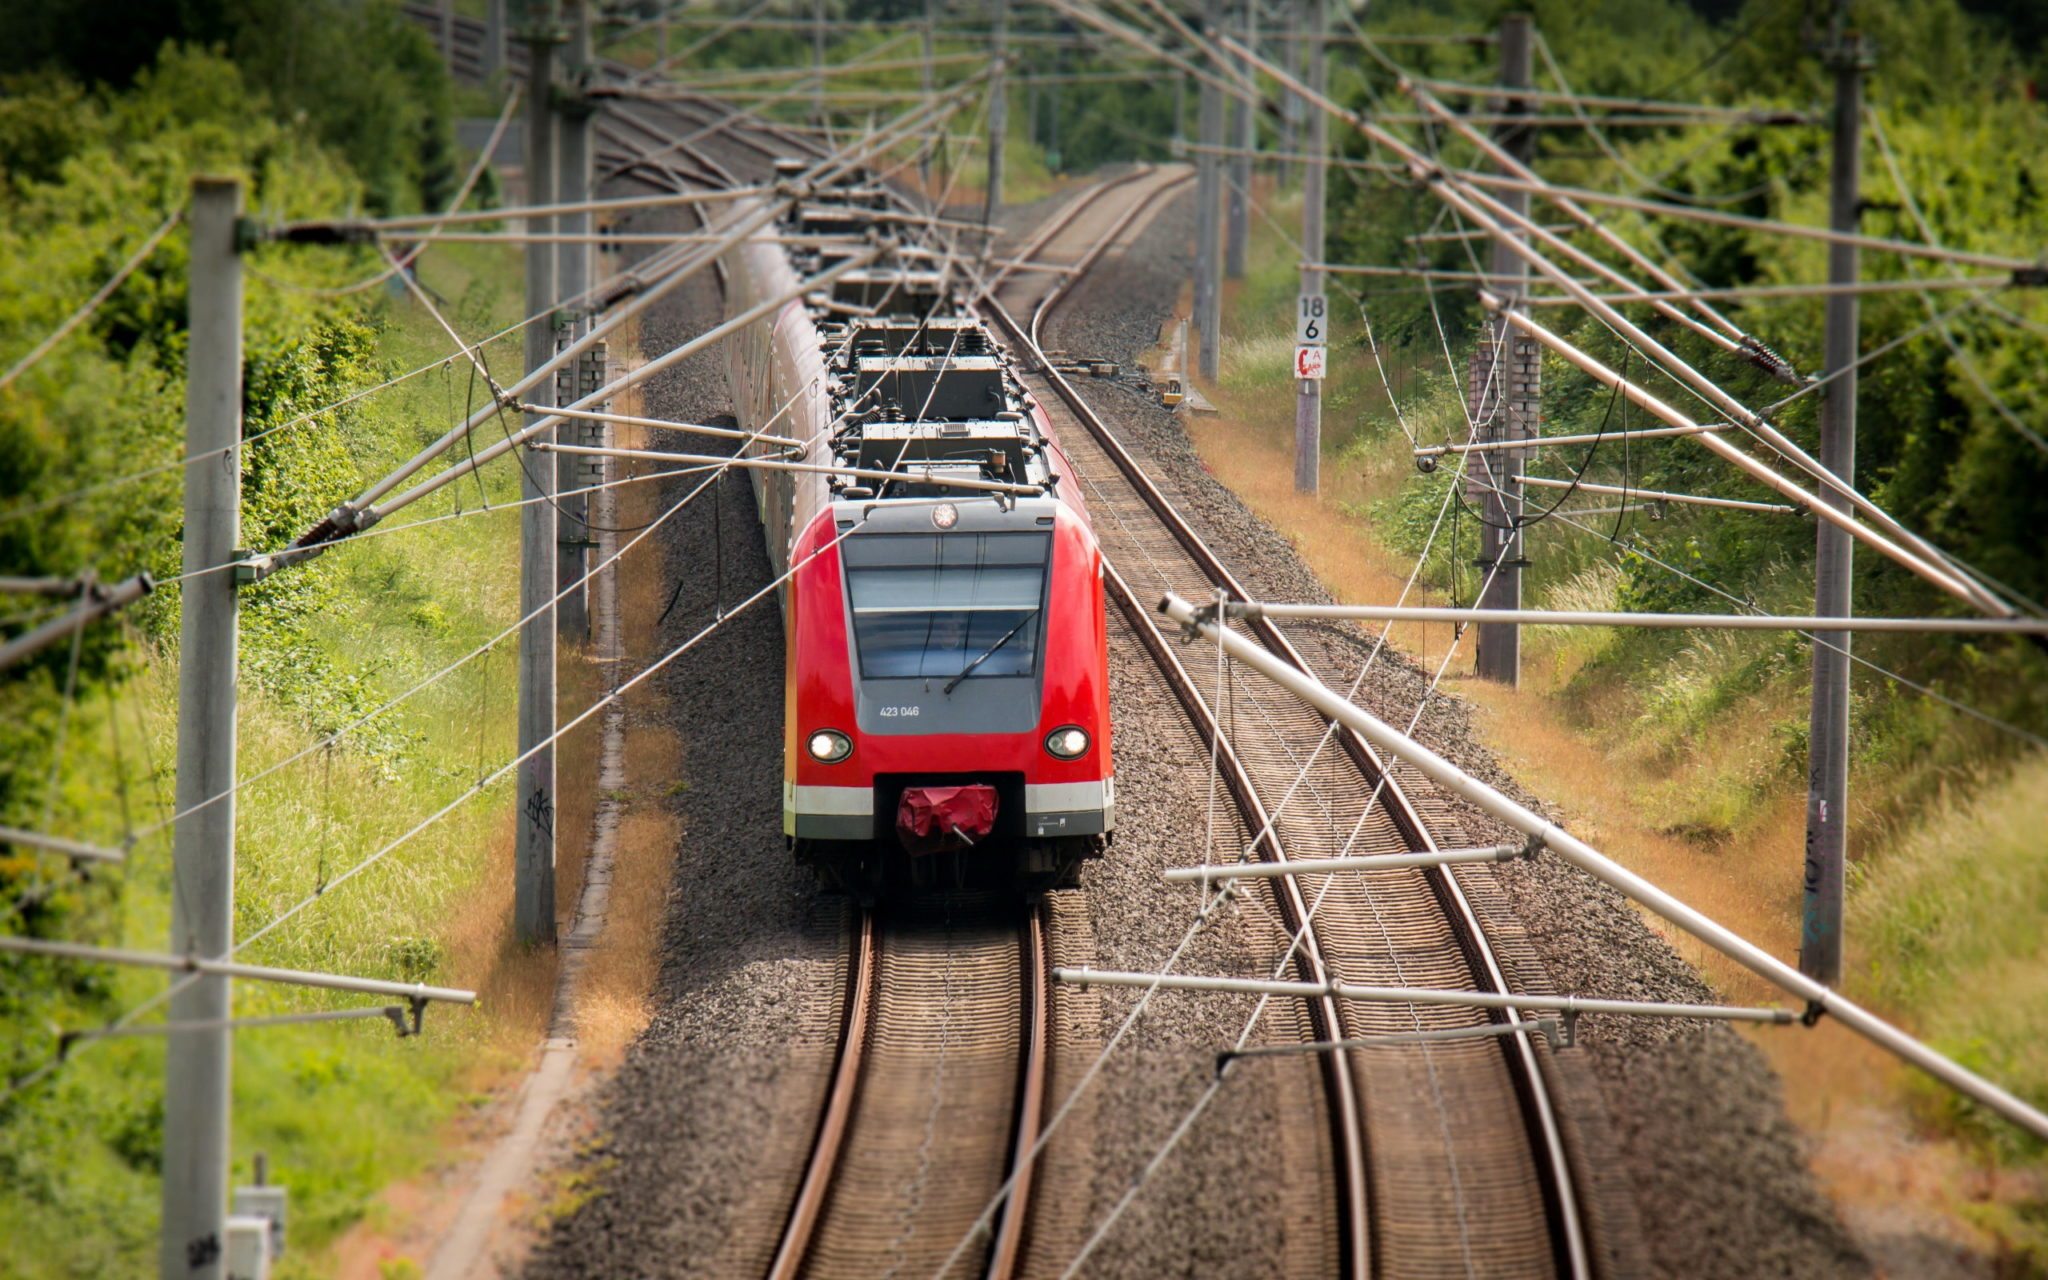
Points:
(1770, 361)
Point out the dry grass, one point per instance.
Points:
(1712, 817)
(612, 1005)
(1601, 796)
(515, 984)
(1248, 445)
(580, 682)
(618, 975)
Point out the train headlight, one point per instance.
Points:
(1070, 743)
(829, 746)
(945, 516)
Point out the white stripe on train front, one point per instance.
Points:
(1069, 797)
(1039, 797)
(838, 802)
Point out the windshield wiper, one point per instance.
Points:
(968, 670)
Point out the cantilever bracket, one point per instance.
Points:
(418, 1009)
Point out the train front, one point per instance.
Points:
(949, 699)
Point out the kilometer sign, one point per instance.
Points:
(1311, 321)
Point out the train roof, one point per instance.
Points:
(916, 383)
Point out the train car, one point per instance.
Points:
(946, 676)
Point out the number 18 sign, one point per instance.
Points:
(1311, 332)
(1311, 322)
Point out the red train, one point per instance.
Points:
(947, 691)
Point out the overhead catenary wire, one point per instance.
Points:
(1636, 551)
(717, 127)
(370, 860)
(1933, 572)
(1932, 562)
(1201, 1104)
(96, 602)
(1202, 918)
(1643, 182)
(92, 304)
(759, 434)
(225, 968)
(1964, 360)
(461, 197)
(40, 505)
(1590, 860)
(1743, 222)
(1660, 495)
(367, 507)
(1453, 88)
(1610, 618)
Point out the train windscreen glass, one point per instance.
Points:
(930, 604)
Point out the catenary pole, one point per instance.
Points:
(197, 1067)
(1031, 113)
(1506, 396)
(1208, 190)
(998, 115)
(533, 896)
(929, 32)
(1243, 127)
(1308, 392)
(1827, 792)
(494, 41)
(1300, 21)
(1052, 116)
(818, 84)
(574, 110)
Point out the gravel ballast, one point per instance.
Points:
(701, 1132)
(1692, 1111)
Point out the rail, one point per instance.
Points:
(1547, 1143)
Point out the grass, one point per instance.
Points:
(1950, 925)
(1682, 754)
(340, 1110)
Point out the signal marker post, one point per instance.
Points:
(1312, 318)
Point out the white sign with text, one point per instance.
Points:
(1311, 321)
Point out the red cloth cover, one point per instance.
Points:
(935, 819)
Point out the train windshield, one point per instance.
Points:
(929, 604)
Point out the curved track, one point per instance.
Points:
(1451, 1159)
(939, 1084)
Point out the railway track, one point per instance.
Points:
(950, 1032)
(1450, 1159)
(940, 1083)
